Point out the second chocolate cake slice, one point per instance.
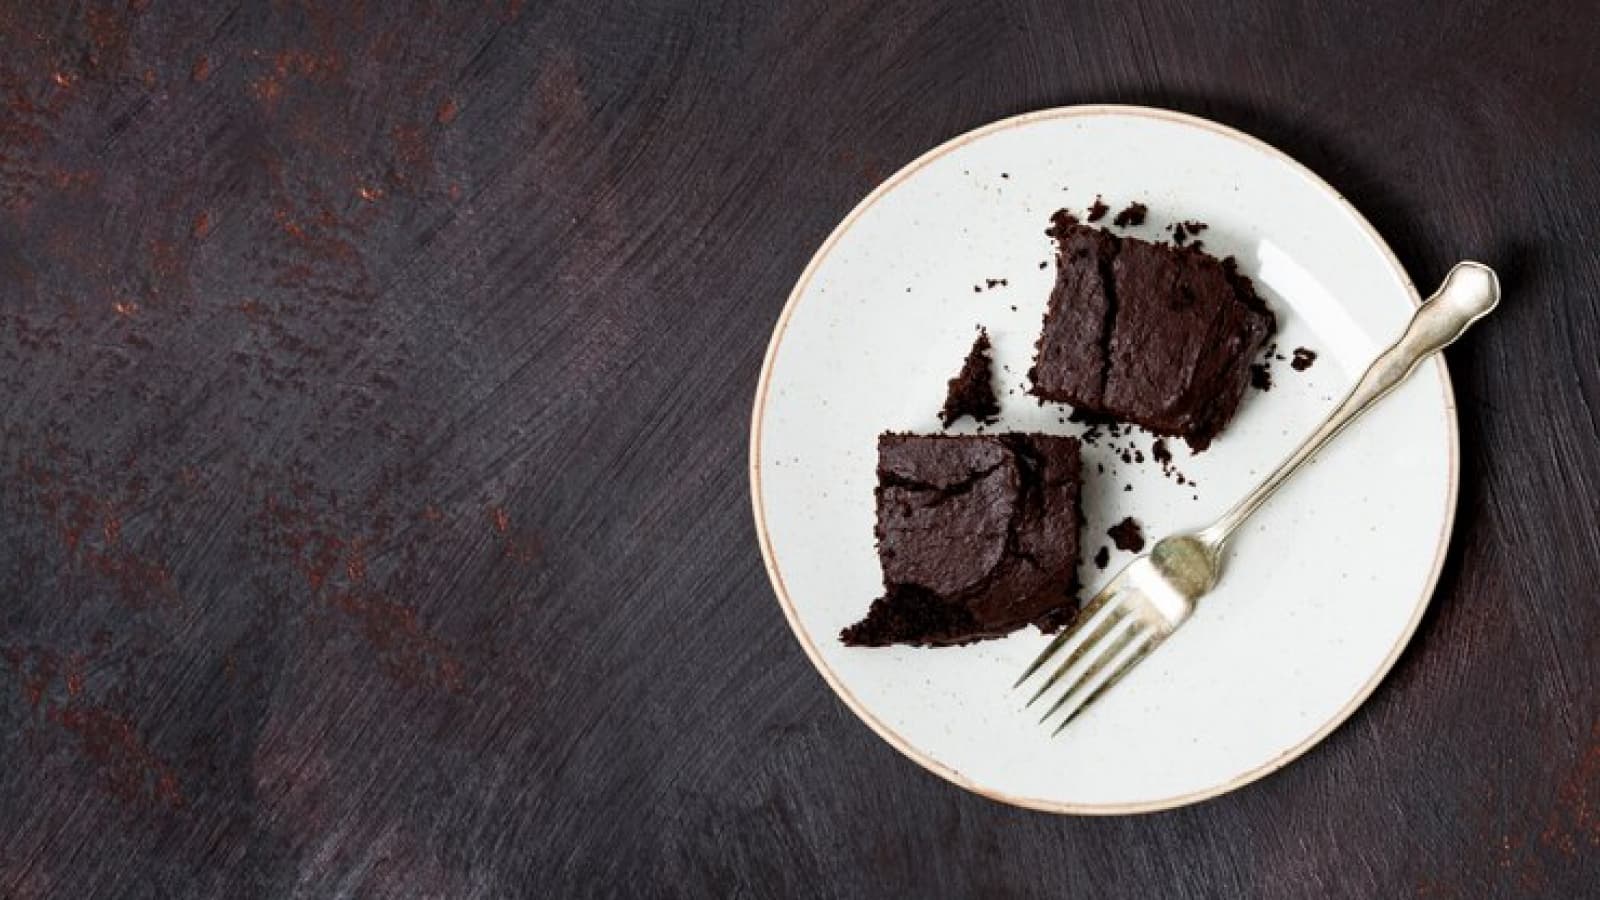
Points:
(1155, 335)
(977, 536)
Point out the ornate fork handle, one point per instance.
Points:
(1469, 293)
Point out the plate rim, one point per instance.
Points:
(892, 737)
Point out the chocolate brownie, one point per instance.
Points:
(1147, 333)
(977, 536)
(971, 393)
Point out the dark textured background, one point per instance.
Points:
(374, 384)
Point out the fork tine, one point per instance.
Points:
(1083, 618)
(1097, 665)
(1149, 643)
(1110, 621)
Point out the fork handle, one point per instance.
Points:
(1468, 293)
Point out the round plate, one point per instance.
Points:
(1321, 589)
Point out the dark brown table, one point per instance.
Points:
(374, 385)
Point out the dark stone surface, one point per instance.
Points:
(374, 390)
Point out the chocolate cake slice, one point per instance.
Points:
(977, 536)
(1151, 334)
(971, 393)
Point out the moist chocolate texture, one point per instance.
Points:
(1147, 333)
(977, 537)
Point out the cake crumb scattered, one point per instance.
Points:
(1102, 557)
(1132, 216)
(1303, 359)
(1182, 231)
(1127, 535)
(1098, 209)
(1260, 377)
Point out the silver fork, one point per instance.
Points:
(1146, 602)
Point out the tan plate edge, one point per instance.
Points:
(888, 734)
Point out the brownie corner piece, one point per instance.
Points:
(977, 537)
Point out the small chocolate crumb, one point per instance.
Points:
(1182, 231)
(1043, 263)
(1133, 216)
(1127, 535)
(1127, 487)
(1260, 377)
(1005, 174)
(1160, 452)
(1102, 557)
(992, 283)
(1098, 209)
(1303, 359)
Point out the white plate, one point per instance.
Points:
(1322, 589)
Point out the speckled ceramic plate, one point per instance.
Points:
(1322, 589)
